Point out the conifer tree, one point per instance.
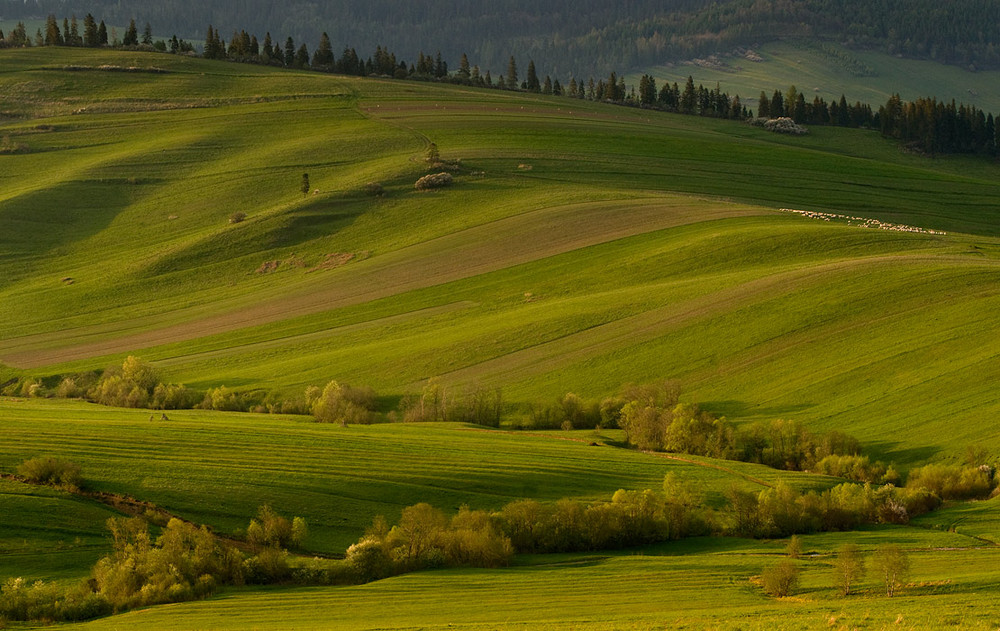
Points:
(131, 37)
(90, 36)
(52, 35)
(305, 184)
(289, 52)
(463, 67)
(102, 34)
(689, 99)
(532, 79)
(147, 34)
(323, 57)
(511, 79)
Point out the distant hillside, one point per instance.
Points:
(579, 37)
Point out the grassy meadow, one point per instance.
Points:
(581, 247)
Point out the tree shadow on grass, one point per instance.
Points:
(48, 221)
(890, 451)
(732, 408)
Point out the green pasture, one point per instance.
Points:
(829, 70)
(47, 534)
(692, 584)
(581, 247)
(217, 468)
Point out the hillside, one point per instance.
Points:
(580, 247)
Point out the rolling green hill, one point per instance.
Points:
(581, 246)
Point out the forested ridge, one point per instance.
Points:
(570, 38)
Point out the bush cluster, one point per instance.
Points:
(781, 511)
(49, 470)
(183, 563)
(435, 180)
(424, 538)
(458, 405)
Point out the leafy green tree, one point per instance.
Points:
(848, 568)
(781, 579)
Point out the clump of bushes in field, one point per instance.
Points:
(342, 403)
(183, 563)
(780, 125)
(954, 482)
(434, 180)
(49, 470)
(438, 402)
(425, 538)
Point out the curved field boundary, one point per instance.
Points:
(656, 454)
(549, 356)
(488, 247)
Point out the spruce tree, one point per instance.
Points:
(763, 106)
(305, 184)
(531, 81)
(689, 99)
(147, 34)
(131, 35)
(90, 37)
(102, 34)
(289, 52)
(463, 67)
(302, 57)
(323, 57)
(511, 79)
(52, 35)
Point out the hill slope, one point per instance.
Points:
(583, 246)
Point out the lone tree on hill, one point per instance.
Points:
(305, 184)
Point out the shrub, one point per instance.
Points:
(341, 403)
(272, 530)
(173, 397)
(237, 216)
(781, 579)
(952, 482)
(436, 180)
(374, 189)
(49, 470)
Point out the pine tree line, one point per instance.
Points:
(925, 124)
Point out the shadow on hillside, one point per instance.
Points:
(739, 409)
(49, 221)
(889, 451)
